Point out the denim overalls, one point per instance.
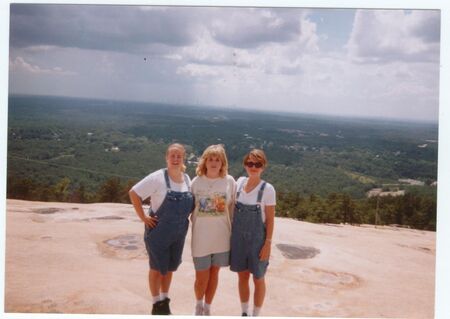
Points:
(165, 242)
(248, 233)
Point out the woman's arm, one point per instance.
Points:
(232, 198)
(137, 204)
(270, 219)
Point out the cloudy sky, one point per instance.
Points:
(351, 62)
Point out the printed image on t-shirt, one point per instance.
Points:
(211, 205)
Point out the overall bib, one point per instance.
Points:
(165, 242)
(248, 233)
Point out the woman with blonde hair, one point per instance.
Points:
(252, 230)
(166, 226)
(214, 193)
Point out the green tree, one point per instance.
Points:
(80, 195)
(110, 191)
(61, 190)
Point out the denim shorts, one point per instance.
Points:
(243, 260)
(205, 262)
(163, 256)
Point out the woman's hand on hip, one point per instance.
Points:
(264, 254)
(151, 221)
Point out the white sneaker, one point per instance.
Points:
(198, 310)
(206, 312)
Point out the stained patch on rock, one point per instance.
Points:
(45, 211)
(297, 252)
(333, 279)
(111, 217)
(123, 246)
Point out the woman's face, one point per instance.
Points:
(175, 158)
(253, 167)
(213, 166)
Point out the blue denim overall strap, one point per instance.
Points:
(247, 236)
(260, 192)
(165, 241)
(166, 178)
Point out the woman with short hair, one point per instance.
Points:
(252, 230)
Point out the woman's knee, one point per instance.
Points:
(202, 277)
(244, 276)
(154, 274)
(214, 271)
(259, 281)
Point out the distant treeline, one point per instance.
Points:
(414, 209)
(85, 150)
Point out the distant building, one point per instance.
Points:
(411, 181)
(379, 192)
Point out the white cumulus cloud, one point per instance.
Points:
(395, 35)
(19, 64)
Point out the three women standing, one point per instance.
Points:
(222, 235)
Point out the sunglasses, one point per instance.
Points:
(251, 164)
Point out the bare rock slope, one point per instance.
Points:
(90, 258)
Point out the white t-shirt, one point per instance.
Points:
(268, 198)
(211, 222)
(154, 186)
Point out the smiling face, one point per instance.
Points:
(213, 166)
(255, 162)
(175, 158)
(251, 167)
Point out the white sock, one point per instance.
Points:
(164, 295)
(244, 306)
(199, 308)
(207, 309)
(156, 299)
(256, 311)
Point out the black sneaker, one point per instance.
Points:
(157, 308)
(244, 314)
(165, 309)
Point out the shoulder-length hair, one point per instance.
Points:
(213, 150)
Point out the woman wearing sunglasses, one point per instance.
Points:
(252, 229)
(214, 192)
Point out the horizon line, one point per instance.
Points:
(241, 108)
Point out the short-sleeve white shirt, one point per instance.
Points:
(268, 198)
(154, 186)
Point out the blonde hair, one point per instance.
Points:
(179, 147)
(213, 150)
(256, 155)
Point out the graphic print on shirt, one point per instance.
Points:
(211, 204)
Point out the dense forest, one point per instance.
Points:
(83, 150)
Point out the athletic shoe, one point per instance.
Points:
(157, 308)
(244, 314)
(198, 310)
(165, 309)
